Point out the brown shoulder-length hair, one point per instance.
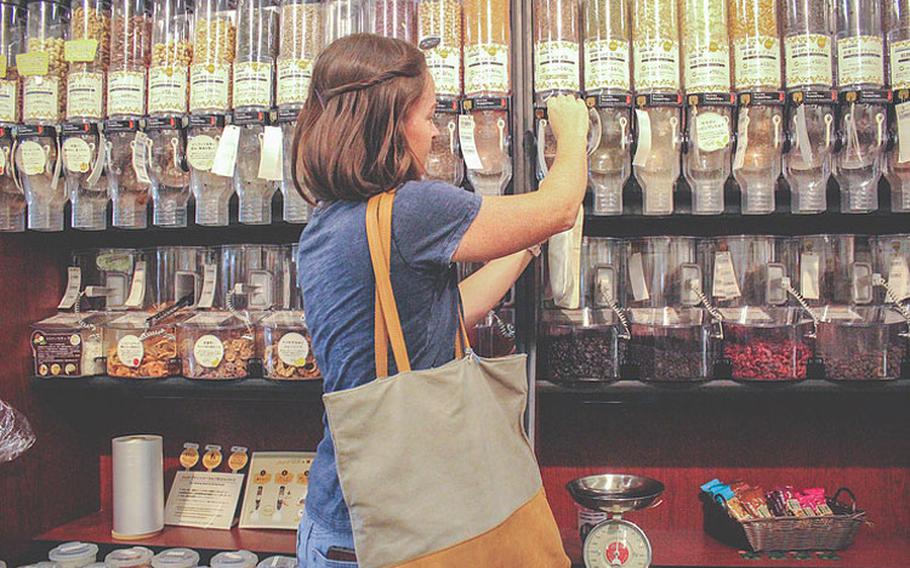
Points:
(350, 143)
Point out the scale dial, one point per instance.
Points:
(617, 543)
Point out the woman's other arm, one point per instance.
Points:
(483, 289)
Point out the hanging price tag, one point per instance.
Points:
(73, 285)
(142, 147)
(903, 133)
(207, 295)
(35, 63)
(742, 142)
(899, 278)
(637, 278)
(468, 144)
(725, 284)
(226, 152)
(802, 135)
(712, 131)
(137, 287)
(271, 155)
(643, 151)
(808, 275)
(80, 50)
(3, 67)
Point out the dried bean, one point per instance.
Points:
(664, 356)
(768, 354)
(577, 355)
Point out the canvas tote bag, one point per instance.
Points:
(435, 466)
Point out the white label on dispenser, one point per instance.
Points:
(900, 64)
(468, 144)
(742, 141)
(899, 278)
(637, 278)
(142, 146)
(643, 151)
(200, 152)
(252, 84)
(293, 349)
(33, 159)
(9, 101)
(444, 64)
(207, 295)
(208, 351)
(40, 98)
(860, 61)
(903, 132)
(808, 275)
(656, 64)
(271, 158)
(85, 95)
(210, 87)
(137, 287)
(73, 285)
(757, 62)
(486, 68)
(126, 93)
(707, 70)
(294, 80)
(556, 66)
(226, 153)
(802, 135)
(712, 131)
(77, 155)
(808, 58)
(607, 64)
(167, 89)
(130, 350)
(725, 285)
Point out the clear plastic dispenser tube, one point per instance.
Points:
(12, 42)
(897, 161)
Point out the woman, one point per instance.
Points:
(367, 127)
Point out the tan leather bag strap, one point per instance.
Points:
(387, 325)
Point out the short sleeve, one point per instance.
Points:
(429, 219)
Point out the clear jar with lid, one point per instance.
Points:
(84, 155)
(128, 175)
(211, 191)
(557, 46)
(68, 345)
(214, 47)
(393, 18)
(88, 55)
(216, 345)
(254, 63)
(756, 44)
(130, 53)
(74, 554)
(300, 40)
(168, 170)
(236, 559)
(42, 64)
(137, 349)
(287, 347)
(135, 557)
(344, 17)
(440, 35)
(487, 44)
(40, 165)
(176, 558)
(607, 41)
(655, 42)
(12, 42)
(172, 53)
(670, 331)
(863, 123)
(106, 278)
(251, 276)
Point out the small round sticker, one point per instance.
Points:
(200, 152)
(32, 157)
(208, 351)
(712, 131)
(293, 349)
(77, 155)
(130, 350)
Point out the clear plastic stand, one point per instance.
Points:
(858, 166)
(657, 157)
(211, 192)
(42, 181)
(444, 161)
(255, 194)
(807, 165)
(295, 208)
(706, 164)
(609, 166)
(129, 194)
(87, 188)
(491, 135)
(757, 161)
(170, 181)
(898, 176)
(12, 198)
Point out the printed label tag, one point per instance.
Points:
(80, 50)
(200, 152)
(294, 80)
(126, 93)
(637, 278)
(903, 132)
(556, 66)
(77, 155)
(85, 95)
(899, 278)
(33, 158)
(444, 64)
(656, 64)
(293, 349)
(40, 98)
(708, 69)
(208, 351)
(802, 135)
(468, 144)
(808, 276)
(226, 153)
(207, 295)
(73, 285)
(757, 62)
(486, 68)
(137, 287)
(142, 147)
(130, 350)
(860, 61)
(900, 64)
(34, 63)
(210, 87)
(712, 131)
(742, 142)
(252, 84)
(808, 59)
(607, 65)
(725, 286)
(643, 151)
(271, 155)
(167, 90)
(9, 101)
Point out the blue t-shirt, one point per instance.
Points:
(336, 278)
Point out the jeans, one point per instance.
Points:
(313, 542)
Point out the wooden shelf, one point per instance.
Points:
(179, 387)
(629, 391)
(97, 528)
(693, 548)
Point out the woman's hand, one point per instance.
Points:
(568, 118)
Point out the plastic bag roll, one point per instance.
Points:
(138, 486)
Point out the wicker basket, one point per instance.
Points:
(785, 533)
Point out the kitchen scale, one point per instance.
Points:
(616, 542)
